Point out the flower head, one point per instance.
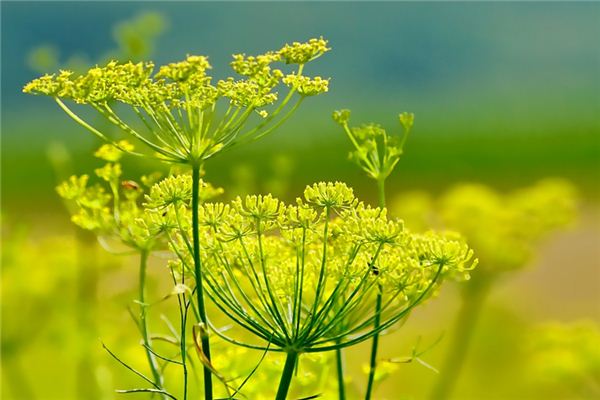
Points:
(375, 151)
(329, 195)
(307, 86)
(301, 53)
(177, 105)
(303, 278)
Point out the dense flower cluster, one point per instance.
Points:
(114, 209)
(301, 53)
(304, 276)
(177, 104)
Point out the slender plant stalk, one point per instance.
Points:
(286, 376)
(468, 315)
(208, 390)
(340, 374)
(182, 343)
(143, 321)
(376, 322)
(183, 347)
(374, 347)
(381, 192)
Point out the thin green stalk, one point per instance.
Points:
(468, 315)
(376, 322)
(182, 344)
(374, 347)
(381, 192)
(143, 321)
(340, 374)
(286, 376)
(208, 390)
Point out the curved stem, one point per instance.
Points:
(286, 376)
(208, 391)
(340, 374)
(465, 326)
(143, 321)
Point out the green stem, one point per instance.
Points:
(381, 192)
(208, 390)
(340, 374)
(144, 323)
(377, 320)
(182, 344)
(374, 347)
(286, 376)
(465, 326)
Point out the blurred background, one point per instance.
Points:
(504, 94)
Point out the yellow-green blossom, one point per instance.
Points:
(301, 53)
(175, 111)
(302, 277)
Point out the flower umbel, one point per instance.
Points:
(179, 106)
(303, 278)
(375, 151)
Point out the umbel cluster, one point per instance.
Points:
(321, 274)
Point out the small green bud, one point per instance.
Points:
(407, 120)
(368, 131)
(110, 172)
(150, 179)
(73, 188)
(111, 153)
(94, 219)
(341, 116)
